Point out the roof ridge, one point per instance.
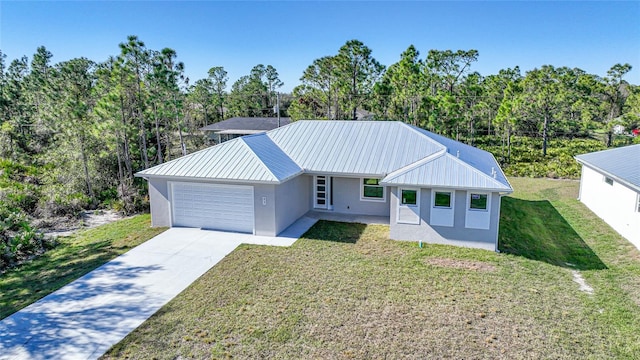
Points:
(474, 169)
(417, 130)
(405, 169)
(258, 157)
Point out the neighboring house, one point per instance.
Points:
(239, 126)
(431, 188)
(610, 187)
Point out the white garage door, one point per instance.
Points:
(219, 207)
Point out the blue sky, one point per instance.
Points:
(290, 35)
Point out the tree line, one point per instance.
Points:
(90, 126)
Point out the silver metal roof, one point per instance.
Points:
(397, 152)
(446, 171)
(621, 163)
(234, 160)
(353, 147)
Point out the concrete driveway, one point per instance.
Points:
(85, 318)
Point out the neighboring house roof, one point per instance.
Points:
(621, 164)
(246, 125)
(398, 153)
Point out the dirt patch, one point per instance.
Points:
(88, 220)
(584, 287)
(461, 264)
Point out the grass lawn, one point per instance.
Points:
(346, 291)
(74, 256)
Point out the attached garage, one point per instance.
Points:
(213, 206)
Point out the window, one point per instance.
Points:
(608, 180)
(478, 202)
(638, 204)
(372, 190)
(409, 197)
(442, 199)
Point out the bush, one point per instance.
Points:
(19, 241)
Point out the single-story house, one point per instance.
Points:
(610, 187)
(239, 126)
(431, 188)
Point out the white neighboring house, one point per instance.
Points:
(610, 187)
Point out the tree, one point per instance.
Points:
(72, 90)
(405, 81)
(358, 72)
(541, 99)
(320, 81)
(218, 78)
(616, 91)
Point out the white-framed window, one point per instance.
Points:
(371, 190)
(409, 197)
(608, 180)
(478, 214)
(442, 199)
(478, 201)
(442, 207)
(638, 203)
(409, 206)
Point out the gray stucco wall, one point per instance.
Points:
(456, 235)
(346, 199)
(293, 200)
(159, 203)
(265, 215)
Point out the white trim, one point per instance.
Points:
(384, 190)
(477, 218)
(413, 208)
(452, 198)
(439, 215)
(327, 192)
(469, 193)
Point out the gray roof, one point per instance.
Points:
(621, 163)
(247, 125)
(398, 153)
(353, 147)
(234, 160)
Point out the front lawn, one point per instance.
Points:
(344, 291)
(73, 257)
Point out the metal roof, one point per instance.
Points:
(621, 163)
(397, 152)
(247, 124)
(353, 147)
(479, 159)
(446, 171)
(234, 160)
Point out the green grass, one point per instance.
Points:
(73, 257)
(345, 291)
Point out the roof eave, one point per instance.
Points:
(205, 179)
(608, 174)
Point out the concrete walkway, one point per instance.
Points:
(85, 318)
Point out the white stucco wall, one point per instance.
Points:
(616, 204)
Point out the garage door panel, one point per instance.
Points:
(220, 207)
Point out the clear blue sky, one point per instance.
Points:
(290, 35)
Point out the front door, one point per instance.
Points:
(321, 192)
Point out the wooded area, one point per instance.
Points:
(72, 134)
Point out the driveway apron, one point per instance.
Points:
(83, 319)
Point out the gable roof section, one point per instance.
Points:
(353, 147)
(446, 171)
(234, 160)
(479, 159)
(622, 164)
(246, 124)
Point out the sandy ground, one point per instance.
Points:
(90, 219)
